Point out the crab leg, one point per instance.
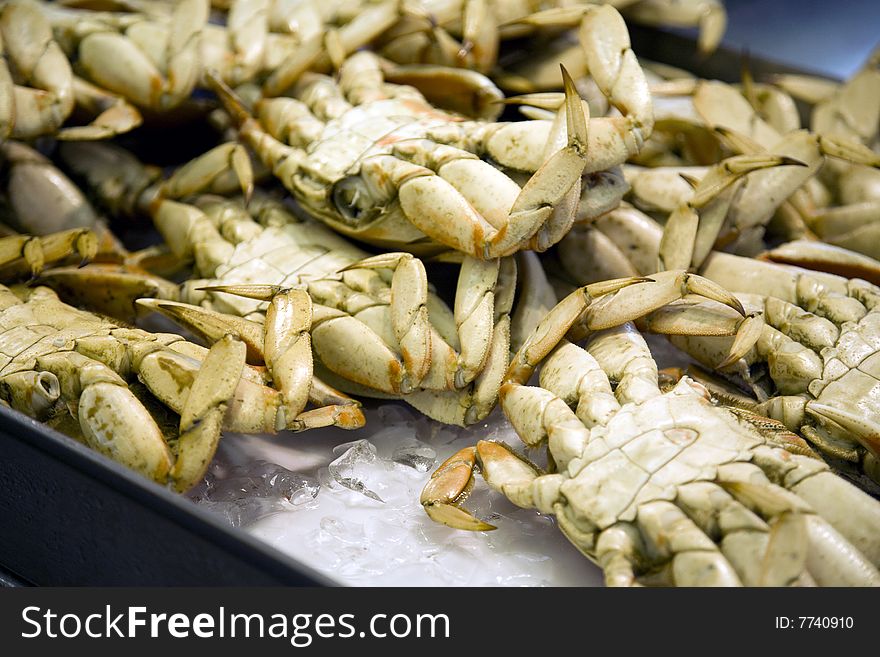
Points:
(616, 71)
(829, 557)
(283, 343)
(581, 312)
(689, 236)
(113, 114)
(107, 288)
(24, 247)
(692, 558)
(199, 174)
(710, 15)
(476, 401)
(449, 486)
(247, 27)
(26, 37)
(536, 297)
(117, 62)
(459, 90)
(364, 28)
(24, 254)
(201, 418)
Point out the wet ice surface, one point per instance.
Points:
(359, 541)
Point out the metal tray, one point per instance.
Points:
(70, 516)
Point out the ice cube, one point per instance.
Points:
(347, 469)
(243, 494)
(414, 453)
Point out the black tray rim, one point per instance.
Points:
(174, 507)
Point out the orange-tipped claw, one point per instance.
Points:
(449, 486)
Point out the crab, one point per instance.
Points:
(38, 90)
(410, 177)
(151, 61)
(851, 112)
(409, 343)
(797, 195)
(665, 488)
(697, 121)
(818, 347)
(446, 363)
(705, 207)
(815, 345)
(472, 34)
(55, 354)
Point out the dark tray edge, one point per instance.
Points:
(240, 557)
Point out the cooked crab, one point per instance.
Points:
(816, 344)
(665, 488)
(376, 162)
(55, 354)
(38, 90)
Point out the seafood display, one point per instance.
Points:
(476, 209)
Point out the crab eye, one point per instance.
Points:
(351, 198)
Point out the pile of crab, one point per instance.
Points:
(312, 170)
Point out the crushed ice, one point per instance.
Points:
(242, 494)
(348, 535)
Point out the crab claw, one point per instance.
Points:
(862, 429)
(211, 325)
(502, 468)
(635, 301)
(557, 323)
(449, 486)
(812, 254)
(727, 172)
(201, 419)
(698, 319)
(746, 336)
(258, 292)
(693, 228)
(204, 171)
